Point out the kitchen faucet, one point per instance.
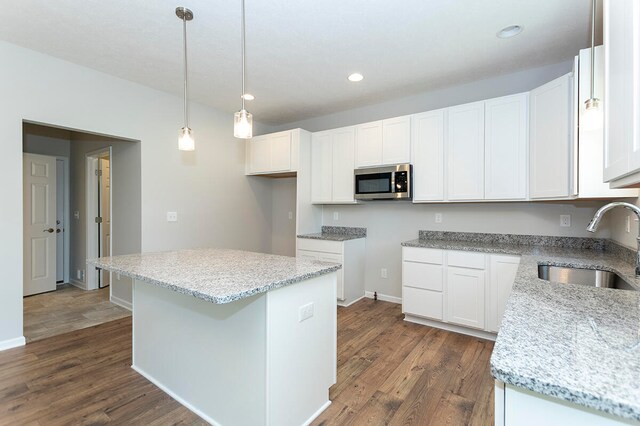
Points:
(593, 225)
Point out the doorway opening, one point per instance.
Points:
(70, 203)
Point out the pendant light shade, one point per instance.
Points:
(186, 142)
(243, 120)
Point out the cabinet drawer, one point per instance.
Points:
(424, 303)
(465, 259)
(320, 245)
(424, 255)
(422, 275)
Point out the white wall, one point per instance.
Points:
(389, 223)
(46, 141)
(283, 228)
(126, 207)
(217, 206)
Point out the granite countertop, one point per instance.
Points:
(337, 233)
(574, 342)
(216, 275)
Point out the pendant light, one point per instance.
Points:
(592, 117)
(185, 139)
(243, 120)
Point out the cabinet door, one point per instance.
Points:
(396, 140)
(550, 139)
(505, 144)
(335, 258)
(423, 303)
(428, 155)
(259, 154)
(503, 271)
(369, 144)
(280, 144)
(465, 297)
(343, 141)
(465, 140)
(321, 167)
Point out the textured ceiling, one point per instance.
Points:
(299, 53)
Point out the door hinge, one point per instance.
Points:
(98, 220)
(98, 172)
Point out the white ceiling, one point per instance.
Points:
(300, 52)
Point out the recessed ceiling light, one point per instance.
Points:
(355, 77)
(248, 97)
(510, 31)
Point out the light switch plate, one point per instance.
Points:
(172, 216)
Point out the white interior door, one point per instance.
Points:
(39, 221)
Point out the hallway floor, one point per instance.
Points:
(67, 309)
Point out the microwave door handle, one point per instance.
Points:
(393, 182)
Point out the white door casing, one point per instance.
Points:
(39, 186)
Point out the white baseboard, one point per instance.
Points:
(12, 343)
(121, 302)
(317, 413)
(384, 297)
(346, 305)
(79, 284)
(451, 327)
(176, 397)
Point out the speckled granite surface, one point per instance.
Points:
(216, 275)
(577, 343)
(337, 233)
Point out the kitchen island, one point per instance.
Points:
(239, 338)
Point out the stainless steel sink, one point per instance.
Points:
(590, 277)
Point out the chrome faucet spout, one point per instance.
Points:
(597, 217)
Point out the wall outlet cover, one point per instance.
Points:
(383, 273)
(336, 216)
(172, 216)
(305, 312)
(438, 217)
(565, 220)
(76, 214)
(290, 215)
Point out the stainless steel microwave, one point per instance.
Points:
(384, 183)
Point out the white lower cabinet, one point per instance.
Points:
(350, 254)
(463, 291)
(516, 406)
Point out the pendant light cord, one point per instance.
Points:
(593, 47)
(243, 53)
(186, 84)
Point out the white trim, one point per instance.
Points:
(121, 302)
(12, 343)
(450, 327)
(79, 284)
(176, 397)
(67, 220)
(91, 181)
(317, 413)
(384, 297)
(346, 305)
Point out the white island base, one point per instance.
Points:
(255, 361)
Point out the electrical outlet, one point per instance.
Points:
(79, 274)
(76, 215)
(172, 216)
(438, 217)
(383, 273)
(628, 224)
(305, 312)
(565, 220)
(336, 216)
(290, 215)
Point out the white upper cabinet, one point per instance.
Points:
(465, 140)
(369, 144)
(428, 155)
(273, 153)
(505, 157)
(550, 139)
(384, 142)
(332, 164)
(622, 91)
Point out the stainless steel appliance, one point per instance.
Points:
(383, 183)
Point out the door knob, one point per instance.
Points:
(50, 230)
(58, 231)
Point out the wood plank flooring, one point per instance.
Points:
(67, 309)
(390, 372)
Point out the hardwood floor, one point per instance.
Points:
(389, 372)
(67, 309)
